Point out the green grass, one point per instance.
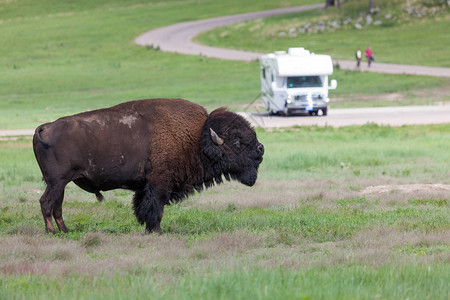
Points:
(304, 231)
(390, 245)
(354, 282)
(369, 150)
(63, 57)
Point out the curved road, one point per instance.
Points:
(178, 38)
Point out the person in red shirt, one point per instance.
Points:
(369, 55)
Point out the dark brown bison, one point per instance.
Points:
(163, 149)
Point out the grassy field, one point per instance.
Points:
(348, 213)
(60, 58)
(311, 228)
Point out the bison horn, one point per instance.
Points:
(215, 138)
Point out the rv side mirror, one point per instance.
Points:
(333, 84)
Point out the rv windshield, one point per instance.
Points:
(303, 81)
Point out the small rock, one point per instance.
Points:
(375, 11)
(334, 24)
(292, 31)
(358, 26)
(307, 27)
(377, 23)
(320, 26)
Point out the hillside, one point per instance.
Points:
(406, 32)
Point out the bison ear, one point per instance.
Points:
(215, 138)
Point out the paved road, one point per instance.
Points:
(16, 132)
(178, 38)
(393, 116)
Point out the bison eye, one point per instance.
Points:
(237, 143)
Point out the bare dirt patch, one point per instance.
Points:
(413, 189)
(437, 96)
(21, 145)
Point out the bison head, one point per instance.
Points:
(231, 146)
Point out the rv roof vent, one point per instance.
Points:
(298, 51)
(280, 52)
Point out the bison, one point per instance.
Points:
(162, 149)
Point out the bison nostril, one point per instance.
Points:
(261, 148)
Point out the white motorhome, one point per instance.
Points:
(296, 82)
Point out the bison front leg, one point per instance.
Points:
(154, 224)
(149, 208)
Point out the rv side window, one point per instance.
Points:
(304, 81)
(272, 77)
(263, 73)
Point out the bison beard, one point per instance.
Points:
(163, 149)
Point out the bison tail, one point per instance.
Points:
(99, 196)
(38, 138)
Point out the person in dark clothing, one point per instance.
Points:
(358, 56)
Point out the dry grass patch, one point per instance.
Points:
(320, 193)
(372, 247)
(268, 193)
(168, 257)
(99, 253)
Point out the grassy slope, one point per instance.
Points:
(414, 41)
(61, 58)
(423, 41)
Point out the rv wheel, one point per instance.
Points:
(324, 111)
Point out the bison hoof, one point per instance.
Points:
(151, 231)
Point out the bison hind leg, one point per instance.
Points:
(148, 209)
(99, 196)
(51, 204)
